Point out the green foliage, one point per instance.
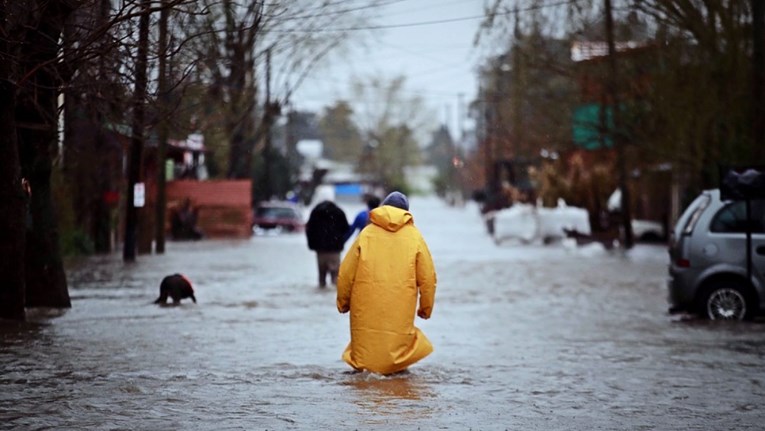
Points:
(340, 134)
(400, 185)
(73, 241)
(391, 122)
(441, 184)
(281, 174)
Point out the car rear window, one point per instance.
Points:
(732, 218)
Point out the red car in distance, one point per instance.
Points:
(275, 217)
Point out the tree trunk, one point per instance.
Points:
(12, 200)
(36, 116)
(241, 116)
(45, 278)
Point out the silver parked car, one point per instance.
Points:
(708, 259)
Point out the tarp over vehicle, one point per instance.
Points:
(742, 183)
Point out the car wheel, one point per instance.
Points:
(728, 301)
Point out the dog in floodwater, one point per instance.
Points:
(177, 287)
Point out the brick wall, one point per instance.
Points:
(224, 207)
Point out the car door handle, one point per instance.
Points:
(760, 250)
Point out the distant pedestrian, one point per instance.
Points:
(362, 218)
(325, 230)
(184, 222)
(381, 277)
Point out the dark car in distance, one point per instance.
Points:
(277, 217)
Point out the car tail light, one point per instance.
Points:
(696, 215)
(683, 263)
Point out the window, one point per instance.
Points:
(732, 218)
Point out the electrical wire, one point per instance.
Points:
(433, 22)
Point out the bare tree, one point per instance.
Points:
(235, 38)
(701, 45)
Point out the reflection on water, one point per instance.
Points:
(390, 397)
(19, 333)
(381, 389)
(388, 394)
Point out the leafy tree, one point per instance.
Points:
(390, 121)
(282, 172)
(444, 155)
(341, 137)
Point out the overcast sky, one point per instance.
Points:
(428, 41)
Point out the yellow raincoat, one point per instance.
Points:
(380, 278)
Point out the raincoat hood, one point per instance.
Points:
(390, 218)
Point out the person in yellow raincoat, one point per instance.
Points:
(382, 276)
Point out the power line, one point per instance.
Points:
(321, 11)
(424, 23)
(440, 5)
(424, 93)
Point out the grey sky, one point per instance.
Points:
(438, 59)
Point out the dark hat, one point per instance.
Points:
(397, 199)
(373, 202)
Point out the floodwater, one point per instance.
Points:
(527, 337)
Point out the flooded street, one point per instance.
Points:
(526, 337)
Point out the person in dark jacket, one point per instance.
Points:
(325, 230)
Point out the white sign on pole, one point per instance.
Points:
(139, 195)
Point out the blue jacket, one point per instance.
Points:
(361, 220)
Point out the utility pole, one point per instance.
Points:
(461, 115)
(159, 233)
(758, 79)
(136, 141)
(517, 72)
(267, 188)
(617, 134)
(487, 99)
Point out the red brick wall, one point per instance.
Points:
(224, 207)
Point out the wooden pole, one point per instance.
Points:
(136, 141)
(617, 134)
(161, 201)
(758, 79)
